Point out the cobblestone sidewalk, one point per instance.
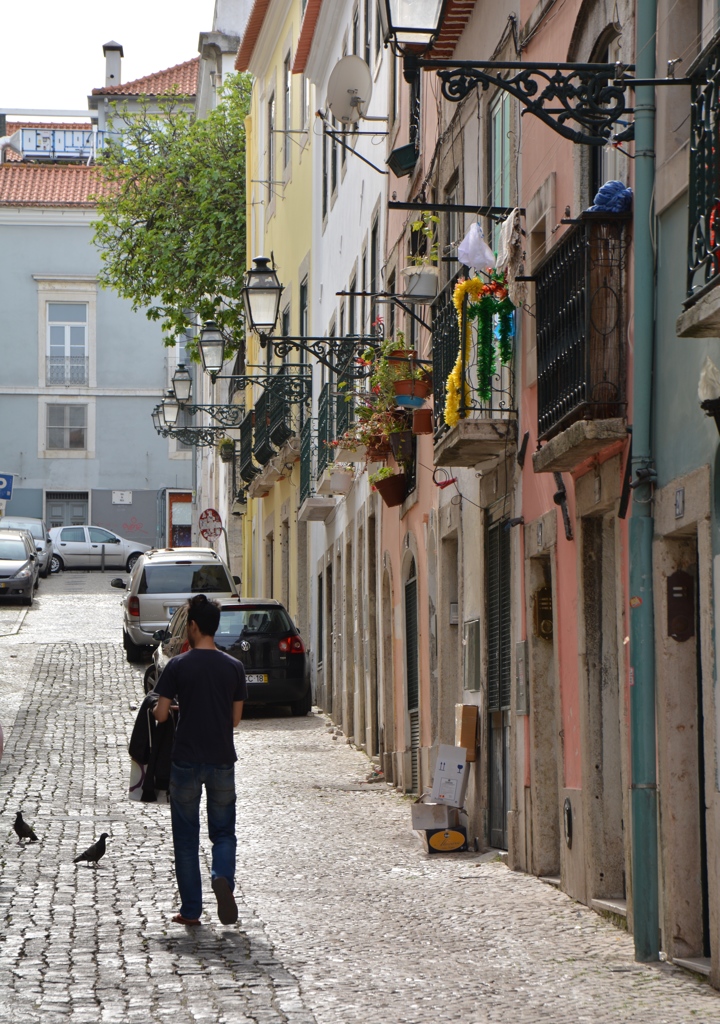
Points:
(343, 918)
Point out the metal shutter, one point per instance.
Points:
(498, 616)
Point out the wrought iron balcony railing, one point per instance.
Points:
(581, 310)
(446, 348)
(70, 370)
(344, 409)
(306, 452)
(246, 467)
(704, 192)
(283, 423)
(326, 429)
(262, 448)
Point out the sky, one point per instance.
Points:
(52, 50)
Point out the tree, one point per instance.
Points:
(172, 213)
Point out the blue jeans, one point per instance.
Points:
(186, 783)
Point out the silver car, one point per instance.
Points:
(160, 583)
(18, 565)
(39, 533)
(92, 547)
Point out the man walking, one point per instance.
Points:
(210, 689)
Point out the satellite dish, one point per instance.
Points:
(349, 89)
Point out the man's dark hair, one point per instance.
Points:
(205, 613)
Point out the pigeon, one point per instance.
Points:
(93, 853)
(23, 830)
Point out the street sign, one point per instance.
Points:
(210, 524)
(6, 485)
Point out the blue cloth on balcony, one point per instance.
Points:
(612, 197)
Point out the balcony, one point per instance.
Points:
(262, 446)
(701, 310)
(313, 507)
(71, 371)
(246, 467)
(487, 426)
(581, 327)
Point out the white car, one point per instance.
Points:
(160, 583)
(92, 547)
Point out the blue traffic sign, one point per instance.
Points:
(6, 484)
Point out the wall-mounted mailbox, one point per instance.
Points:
(543, 614)
(681, 606)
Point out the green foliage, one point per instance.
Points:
(425, 226)
(172, 224)
(384, 473)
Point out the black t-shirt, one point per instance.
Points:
(206, 684)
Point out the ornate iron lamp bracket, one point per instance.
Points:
(339, 354)
(226, 415)
(203, 437)
(292, 388)
(591, 95)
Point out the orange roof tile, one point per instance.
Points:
(181, 78)
(307, 32)
(252, 32)
(49, 185)
(457, 15)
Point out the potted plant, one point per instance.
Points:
(401, 443)
(392, 487)
(226, 449)
(422, 420)
(422, 276)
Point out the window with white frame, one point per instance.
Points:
(287, 109)
(500, 155)
(66, 427)
(67, 344)
(271, 143)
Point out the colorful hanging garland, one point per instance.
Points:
(486, 300)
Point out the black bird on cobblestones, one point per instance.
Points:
(93, 853)
(23, 830)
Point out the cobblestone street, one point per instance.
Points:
(343, 918)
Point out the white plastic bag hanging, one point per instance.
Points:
(474, 251)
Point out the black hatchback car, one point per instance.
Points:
(259, 633)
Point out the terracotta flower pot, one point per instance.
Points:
(393, 490)
(402, 445)
(422, 420)
(377, 450)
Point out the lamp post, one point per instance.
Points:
(182, 384)
(212, 349)
(412, 24)
(261, 296)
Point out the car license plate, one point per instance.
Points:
(257, 677)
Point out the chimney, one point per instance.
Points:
(113, 56)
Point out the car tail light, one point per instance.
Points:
(134, 606)
(292, 645)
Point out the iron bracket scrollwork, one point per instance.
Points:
(226, 415)
(203, 437)
(591, 95)
(339, 354)
(295, 389)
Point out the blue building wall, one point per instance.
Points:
(130, 356)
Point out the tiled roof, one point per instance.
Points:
(307, 31)
(457, 15)
(49, 185)
(252, 32)
(181, 78)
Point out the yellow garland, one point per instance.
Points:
(474, 288)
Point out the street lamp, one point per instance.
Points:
(182, 383)
(411, 23)
(170, 408)
(157, 418)
(212, 348)
(261, 296)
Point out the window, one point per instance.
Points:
(271, 143)
(333, 159)
(452, 221)
(374, 266)
(500, 156)
(304, 101)
(415, 110)
(320, 610)
(184, 579)
(391, 307)
(368, 32)
(378, 30)
(352, 327)
(67, 427)
(73, 535)
(324, 175)
(67, 343)
(356, 31)
(363, 288)
(287, 112)
(99, 536)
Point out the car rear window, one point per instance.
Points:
(13, 549)
(184, 579)
(34, 528)
(248, 621)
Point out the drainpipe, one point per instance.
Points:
(642, 633)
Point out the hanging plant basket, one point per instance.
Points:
(226, 450)
(402, 359)
(422, 420)
(351, 454)
(411, 392)
(402, 445)
(378, 450)
(392, 490)
(421, 284)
